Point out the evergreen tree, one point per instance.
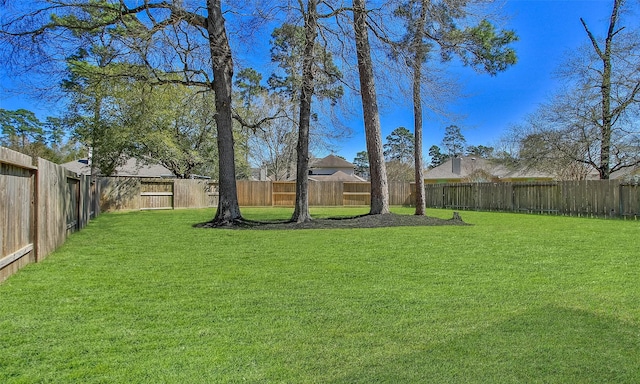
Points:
(437, 157)
(454, 142)
(400, 146)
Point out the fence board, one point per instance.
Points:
(16, 159)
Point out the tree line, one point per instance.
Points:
(399, 153)
(156, 78)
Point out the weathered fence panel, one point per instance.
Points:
(599, 198)
(40, 205)
(17, 212)
(156, 194)
(54, 206)
(434, 195)
(119, 193)
(535, 197)
(356, 194)
(326, 193)
(90, 201)
(629, 200)
(256, 193)
(61, 209)
(194, 194)
(401, 193)
(581, 198)
(284, 193)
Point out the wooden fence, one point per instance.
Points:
(130, 193)
(594, 198)
(41, 203)
(602, 198)
(124, 193)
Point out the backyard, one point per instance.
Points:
(148, 297)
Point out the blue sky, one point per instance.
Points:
(547, 29)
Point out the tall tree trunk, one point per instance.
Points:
(418, 58)
(417, 116)
(604, 168)
(97, 107)
(377, 167)
(228, 207)
(301, 212)
(605, 87)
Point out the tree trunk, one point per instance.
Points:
(417, 115)
(377, 167)
(605, 87)
(301, 212)
(604, 168)
(418, 58)
(228, 207)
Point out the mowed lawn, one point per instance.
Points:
(144, 297)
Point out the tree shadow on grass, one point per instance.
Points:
(547, 345)
(360, 221)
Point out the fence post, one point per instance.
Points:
(620, 201)
(35, 210)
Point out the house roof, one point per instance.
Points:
(526, 174)
(337, 176)
(331, 161)
(627, 174)
(469, 165)
(132, 168)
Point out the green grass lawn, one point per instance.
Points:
(144, 297)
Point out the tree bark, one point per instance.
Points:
(222, 63)
(418, 58)
(301, 212)
(417, 113)
(377, 167)
(604, 168)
